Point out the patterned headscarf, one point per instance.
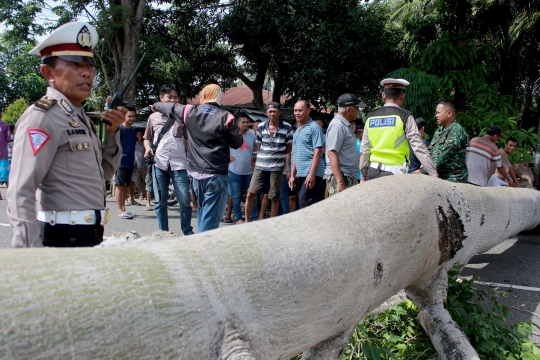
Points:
(210, 93)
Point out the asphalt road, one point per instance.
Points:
(145, 223)
(512, 266)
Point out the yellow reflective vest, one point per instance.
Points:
(386, 133)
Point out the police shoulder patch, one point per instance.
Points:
(38, 138)
(45, 102)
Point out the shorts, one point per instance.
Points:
(332, 185)
(4, 170)
(149, 181)
(134, 175)
(261, 178)
(123, 177)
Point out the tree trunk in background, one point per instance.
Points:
(258, 85)
(123, 41)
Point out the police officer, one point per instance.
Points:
(385, 150)
(58, 152)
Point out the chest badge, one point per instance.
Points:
(75, 123)
(66, 107)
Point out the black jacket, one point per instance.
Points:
(210, 131)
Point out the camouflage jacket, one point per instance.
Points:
(448, 152)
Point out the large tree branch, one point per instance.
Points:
(265, 290)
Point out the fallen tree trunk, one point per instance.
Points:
(264, 290)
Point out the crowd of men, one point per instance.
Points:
(211, 156)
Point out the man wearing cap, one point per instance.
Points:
(341, 156)
(57, 152)
(483, 157)
(274, 139)
(385, 150)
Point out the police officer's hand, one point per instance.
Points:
(115, 116)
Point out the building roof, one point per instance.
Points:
(241, 96)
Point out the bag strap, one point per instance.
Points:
(166, 127)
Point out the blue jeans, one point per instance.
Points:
(237, 183)
(180, 183)
(211, 195)
(284, 197)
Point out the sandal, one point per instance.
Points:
(127, 216)
(148, 208)
(226, 220)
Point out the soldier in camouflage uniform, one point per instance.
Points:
(449, 144)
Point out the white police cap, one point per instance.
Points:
(71, 42)
(394, 83)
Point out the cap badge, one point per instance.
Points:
(84, 39)
(67, 108)
(75, 123)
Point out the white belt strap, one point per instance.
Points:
(72, 217)
(394, 169)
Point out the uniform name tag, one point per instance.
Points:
(76, 132)
(382, 122)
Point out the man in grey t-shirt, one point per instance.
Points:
(241, 170)
(341, 156)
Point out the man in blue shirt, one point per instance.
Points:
(128, 138)
(307, 165)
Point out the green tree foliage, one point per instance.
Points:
(312, 49)
(19, 72)
(395, 333)
(14, 111)
(465, 45)
(342, 46)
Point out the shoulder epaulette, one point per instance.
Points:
(45, 102)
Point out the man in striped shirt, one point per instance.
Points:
(274, 138)
(483, 157)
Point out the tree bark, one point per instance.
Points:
(264, 290)
(123, 42)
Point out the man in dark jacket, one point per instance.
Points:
(210, 132)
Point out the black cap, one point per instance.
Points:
(350, 100)
(273, 105)
(494, 130)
